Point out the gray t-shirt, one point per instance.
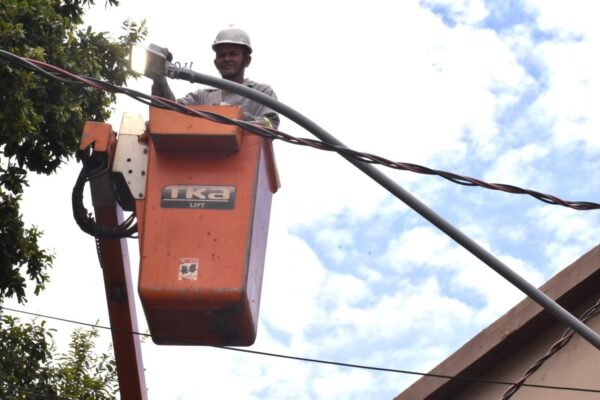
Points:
(253, 111)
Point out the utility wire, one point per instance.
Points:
(392, 187)
(313, 360)
(562, 342)
(358, 159)
(69, 78)
(364, 165)
(33, 392)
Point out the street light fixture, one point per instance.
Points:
(153, 62)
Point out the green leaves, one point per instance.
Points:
(27, 364)
(84, 374)
(13, 178)
(40, 125)
(19, 252)
(24, 352)
(41, 119)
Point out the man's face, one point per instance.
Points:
(231, 60)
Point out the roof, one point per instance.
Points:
(522, 323)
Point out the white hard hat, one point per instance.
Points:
(233, 35)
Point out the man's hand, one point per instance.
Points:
(263, 121)
(159, 86)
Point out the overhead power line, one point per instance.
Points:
(361, 157)
(562, 342)
(73, 79)
(36, 393)
(313, 360)
(331, 142)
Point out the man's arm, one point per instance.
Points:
(261, 113)
(161, 88)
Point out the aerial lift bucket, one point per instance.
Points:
(202, 227)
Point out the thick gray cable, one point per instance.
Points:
(459, 237)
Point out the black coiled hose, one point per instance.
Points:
(84, 218)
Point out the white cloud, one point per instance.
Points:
(337, 242)
(424, 247)
(567, 20)
(569, 105)
(440, 90)
(292, 283)
(344, 289)
(418, 246)
(342, 384)
(369, 274)
(518, 166)
(413, 307)
(463, 11)
(569, 233)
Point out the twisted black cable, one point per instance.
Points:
(156, 101)
(374, 159)
(362, 156)
(267, 132)
(562, 342)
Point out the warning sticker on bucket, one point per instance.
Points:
(188, 269)
(198, 197)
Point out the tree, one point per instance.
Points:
(41, 121)
(28, 369)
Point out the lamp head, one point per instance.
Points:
(151, 62)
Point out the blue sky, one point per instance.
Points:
(503, 91)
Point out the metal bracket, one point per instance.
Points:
(131, 155)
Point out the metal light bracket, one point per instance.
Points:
(131, 155)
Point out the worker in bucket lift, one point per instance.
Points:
(232, 57)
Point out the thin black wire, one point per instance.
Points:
(273, 134)
(57, 73)
(311, 360)
(34, 392)
(363, 157)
